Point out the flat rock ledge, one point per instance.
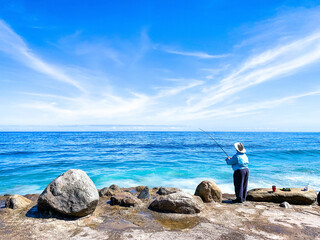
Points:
(72, 194)
(295, 196)
(179, 202)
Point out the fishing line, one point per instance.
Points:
(214, 141)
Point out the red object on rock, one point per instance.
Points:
(274, 188)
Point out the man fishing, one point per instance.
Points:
(239, 164)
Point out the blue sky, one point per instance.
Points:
(219, 65)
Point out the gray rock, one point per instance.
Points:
(209, 192)
(179, 202)
(71, 194)
(106, 192)
(115, 187)
(32, 197)
(17, 202)
(166, 191)
(124, 199)
(144, 194)
(295, 196)
(285, 205)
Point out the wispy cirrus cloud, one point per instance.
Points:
(268, 65)
(234, 110)
(13, 45)
(173, 97)
(172, 91)
(193, 54)
(244, 109)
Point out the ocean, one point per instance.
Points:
(29, 161)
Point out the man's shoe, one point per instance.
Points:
(236, 201)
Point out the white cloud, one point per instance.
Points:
(13, 45)
(266, 66)
(171, 91)
(170, 99)
(195, 54)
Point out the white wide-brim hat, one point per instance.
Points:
(239, 147)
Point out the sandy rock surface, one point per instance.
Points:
(250, 220)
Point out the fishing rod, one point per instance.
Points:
(214, 141)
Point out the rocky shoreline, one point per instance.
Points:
(71, 208)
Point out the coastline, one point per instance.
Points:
(249, 220)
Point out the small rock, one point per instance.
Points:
(209, 192)
(285, 205)
(115, 187)
(144, 194)
(124, 199)
(32, 197)
(179, 202)
(106, 192)
(166, 191)
(17, 202)
(139, 188)
(72, 194)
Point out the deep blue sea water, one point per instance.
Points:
(31, 160)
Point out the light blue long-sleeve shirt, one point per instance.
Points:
(238, 161)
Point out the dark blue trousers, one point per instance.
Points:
(240, 181)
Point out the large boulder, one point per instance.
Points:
(179, 202)
(124, 199)
(295, 196)
(17, 202)
(167, 190)
(71, 194)
(209, 192)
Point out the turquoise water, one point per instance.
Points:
(31, 160)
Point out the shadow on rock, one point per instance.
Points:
(227, 201)
(35, 213)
